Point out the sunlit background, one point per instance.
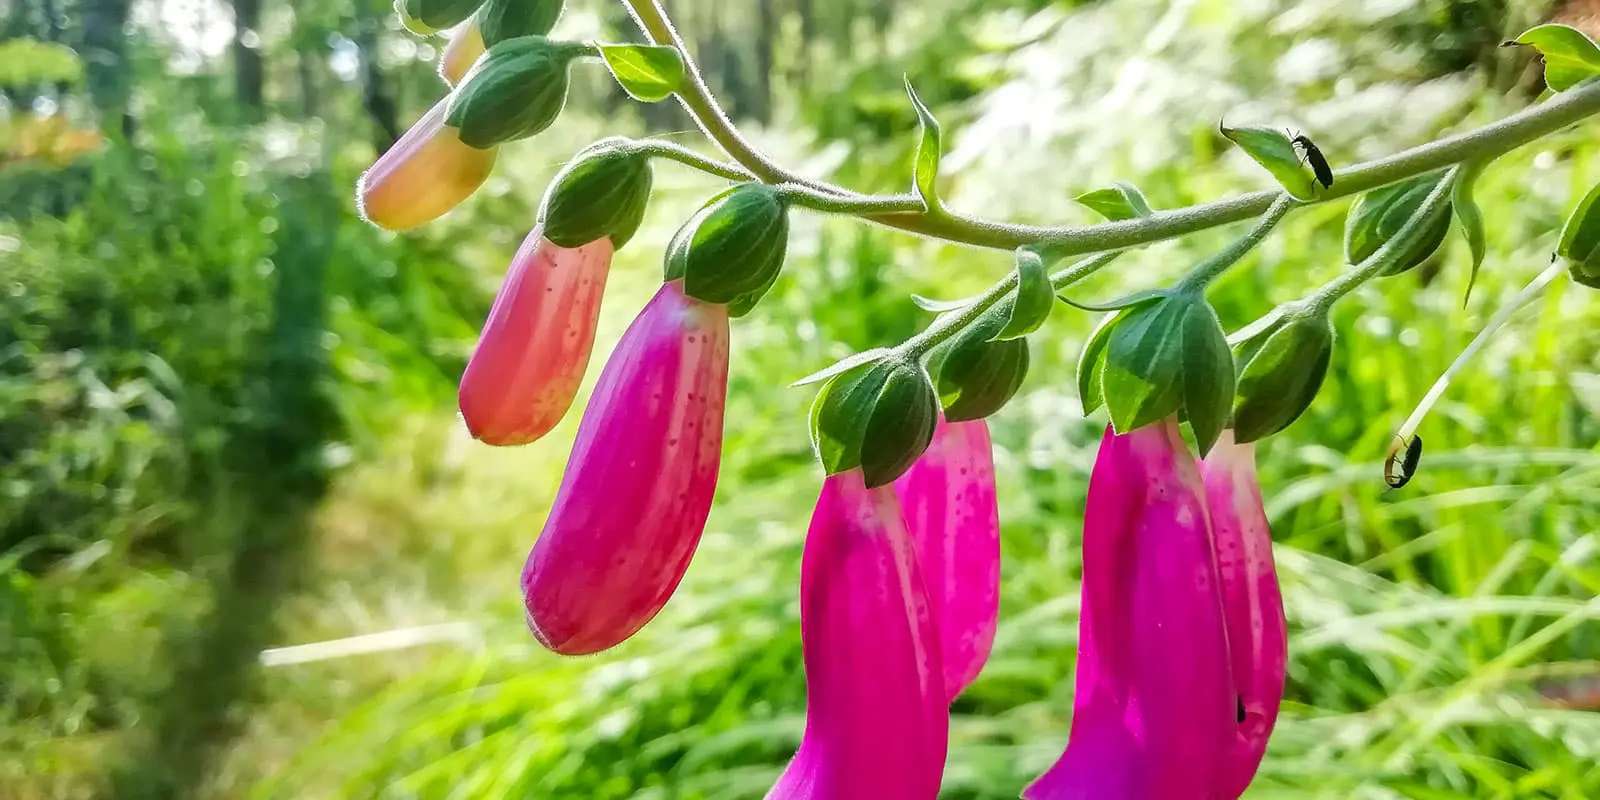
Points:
(228, 439)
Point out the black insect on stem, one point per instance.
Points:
(1319, 163)
(1402, 461)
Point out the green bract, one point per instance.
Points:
(1272, 148)
(879, 417)
(1381, 213)
(1160, 356)
(602, 192)
(978, 378)
(1580, 240)
(1570, 57)
(1117, 202)
(427, 17)
(1283, 367)
(732, 250)
(500, 20)
(514, 91)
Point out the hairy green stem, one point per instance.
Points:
(950, 325)
(1427, 214)
(1487, 142)
(660, 148)
(816, 200)
(1207, 271)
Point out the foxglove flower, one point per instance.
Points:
(877, 722)
(1252, 603)
(425, 174)
(535, 346)
(948, 497)
(1154, 709)
(638, 485)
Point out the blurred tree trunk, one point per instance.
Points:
(248, 68)
(376, 95)
(105, 56)
(766, 40)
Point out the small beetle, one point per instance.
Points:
(1319, 163)
(1398, 469)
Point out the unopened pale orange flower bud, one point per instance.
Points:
(424, 175)
(466, 44)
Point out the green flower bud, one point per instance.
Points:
(979, 377)
(879, 417)
(732, 249)
(1580, 240)
(602, 192)
(427, 17)
(514, 91)
(500, 20)
(1283, 368)
(1381, 213)
(1162, 355)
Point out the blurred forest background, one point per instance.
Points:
(227, 405)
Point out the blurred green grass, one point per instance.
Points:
(1422, 620)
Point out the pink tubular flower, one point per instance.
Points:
(638, 486)
(948, 497)
(1251, 601)
(535, 346)
(1154, 709)
(877, 723)
(425, 174)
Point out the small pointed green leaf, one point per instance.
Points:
(843, 365)
(941, 306)
(1471, 218)
(1570, 57)
(925, 170)
(1092, 363)
(1119, 201)
(1144, 364)
(1580, 236)
(648, 73)
(1271, 148)
(1134, 300)
(1208, 374)
(1034, 299)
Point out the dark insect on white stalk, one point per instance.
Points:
(1402, 461)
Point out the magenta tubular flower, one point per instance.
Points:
(877, 723)
(1154, 710)
(948, 497)
(638, 485)
(535, 346)
(1251, 600)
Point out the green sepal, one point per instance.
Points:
(500, 20)
(940, 306)
(427, 17)
(1570, 56)
(1272, 149)
(1283, 368)
(978, 378)
(1471, 219)
(1580, 238)
(1033, 300)
(1208, 374)
(1134, 300)
(731, 251)
(1092, 362)
(1381, 214)
(879, 417)
(843, 365)
(1117, 202)
(515, 90)
(602, 191)
(1143, 372)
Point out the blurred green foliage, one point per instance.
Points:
(225, 402)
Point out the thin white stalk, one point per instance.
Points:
(1534, 288)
